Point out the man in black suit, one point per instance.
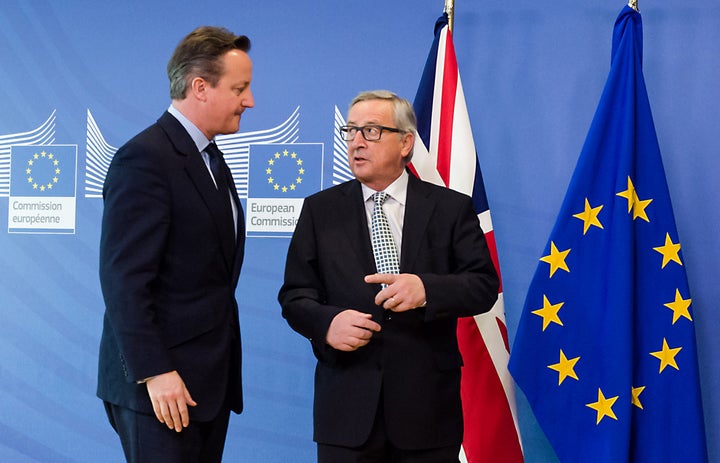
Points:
(387, 382)
(170, 255)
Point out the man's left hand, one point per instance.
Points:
(403, 292)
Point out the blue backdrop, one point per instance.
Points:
(92, 74)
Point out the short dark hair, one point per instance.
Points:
(198, 55)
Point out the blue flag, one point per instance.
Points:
(605, 349)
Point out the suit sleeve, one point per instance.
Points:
(303, 296)
(469, 286)
(135, 225)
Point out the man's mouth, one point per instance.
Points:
(358, 157)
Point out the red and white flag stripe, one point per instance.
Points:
(448, 157)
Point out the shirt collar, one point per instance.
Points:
(196, 134)
(397, 189)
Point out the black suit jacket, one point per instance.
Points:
(169, 266)
(415, 359)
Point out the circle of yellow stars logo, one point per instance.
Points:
(35, 161)
(274, 160)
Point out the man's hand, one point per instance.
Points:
(351, 330)
(404, 291)
(170, 399)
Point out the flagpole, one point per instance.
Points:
(450, 10)
(632, 4)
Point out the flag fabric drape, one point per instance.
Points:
(445, 154)
(605, 349)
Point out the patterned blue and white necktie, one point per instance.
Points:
(386, 256)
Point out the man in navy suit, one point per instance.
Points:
(170, 255)
(387, 381)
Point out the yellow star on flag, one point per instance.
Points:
(667, 356)
(636, 391)
(670, 251)
(589, 216)
(549, 312)
(639, 208)
(635, 204)
(679, 307)
(556, 259)
(603, 406)
(629, 194)
(565, 367)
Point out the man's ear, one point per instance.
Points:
(198, 88)
(408, 141)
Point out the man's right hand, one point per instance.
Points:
(170, 399)
(351, 330)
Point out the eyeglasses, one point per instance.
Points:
(369, 132)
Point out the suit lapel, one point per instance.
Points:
(419, 208)
(240, 227)
(354, 219)
(197, 171)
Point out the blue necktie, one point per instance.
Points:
(220, 172)
(217, 166)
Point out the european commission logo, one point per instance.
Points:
(42, 189)
(281, 175)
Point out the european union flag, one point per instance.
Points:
(43, 170)
(285, 170)
(605, 350)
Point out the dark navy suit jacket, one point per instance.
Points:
(414, 360)
(169, 266)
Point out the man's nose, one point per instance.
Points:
(359, 138)
(249, 100)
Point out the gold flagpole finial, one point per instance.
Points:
(634, 5)
(450, 10)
